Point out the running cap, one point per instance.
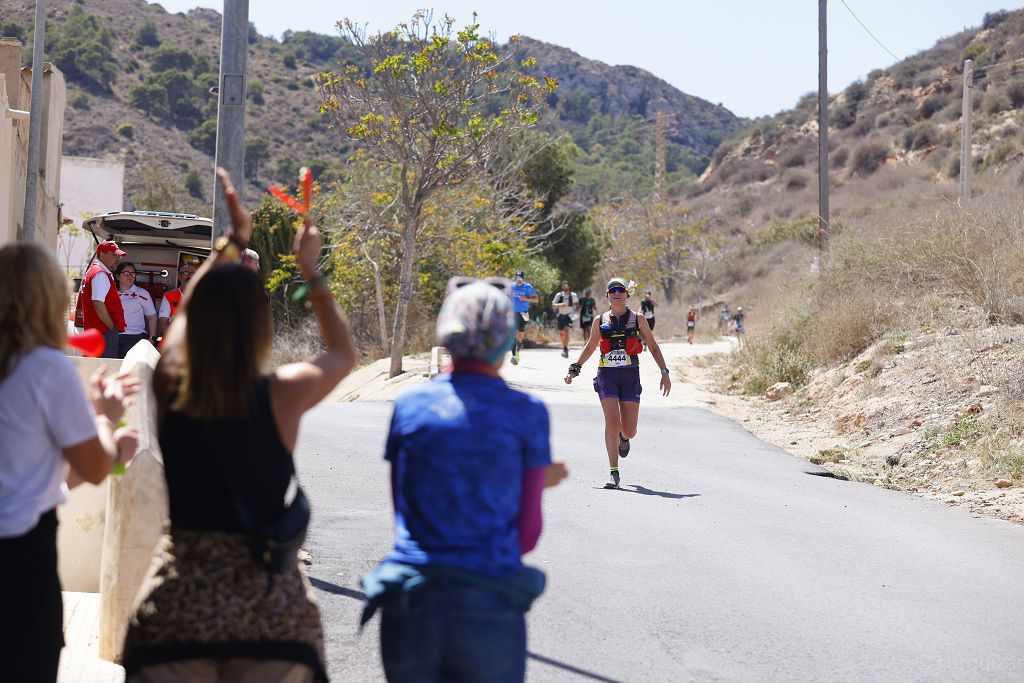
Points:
(109, 248)
(648, 292)
(565, 283)
(519, 275)
(739, 308)
(617, 282)
(476, 322)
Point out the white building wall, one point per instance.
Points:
(88, 187)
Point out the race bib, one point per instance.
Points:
(649, 315)
(615, 358)
(525, 315)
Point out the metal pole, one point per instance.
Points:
(234, 49)
(965, 134)
(823, 213)
(35, 124)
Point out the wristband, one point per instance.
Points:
(229, 247)
(664, 371)
(575, 369)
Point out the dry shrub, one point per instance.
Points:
(869, 156)
(298, 343)
(978, 254)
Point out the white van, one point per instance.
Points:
(156, 243)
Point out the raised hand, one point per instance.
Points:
(307, 248)
(241, 219)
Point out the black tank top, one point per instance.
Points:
(199, 455)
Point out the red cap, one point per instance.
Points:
(109, 248)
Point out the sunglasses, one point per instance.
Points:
(497, 282)
(129, 273)
(616, 290)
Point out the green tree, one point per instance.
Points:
(82, 48)
(149, 98)
(170, 57)
(204, 136)
(194, 184)
(146, 34)
(422, 106)
(257, 150)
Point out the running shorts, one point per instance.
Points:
(619, 383)
(564, 321)
(523, 318)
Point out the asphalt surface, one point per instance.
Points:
(722, 559)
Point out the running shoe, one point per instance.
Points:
(623, 447)
(515, 358)
(613, 480)
(565, 353)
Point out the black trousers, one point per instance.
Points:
(125, 342)
(32, 618)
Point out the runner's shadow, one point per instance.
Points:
(335, 589)
(661, 494)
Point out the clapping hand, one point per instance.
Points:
(111, 395)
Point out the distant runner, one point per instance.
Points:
(725, 321)
(621, 335)
(523, 295)
(737, 321)
(692, 316)
(587, 305)
(647, 305)
(566, 304)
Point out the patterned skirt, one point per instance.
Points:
(205, 596)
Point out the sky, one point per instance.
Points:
(755, 57)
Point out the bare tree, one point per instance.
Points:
(436, 103)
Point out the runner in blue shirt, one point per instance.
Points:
(523, 294)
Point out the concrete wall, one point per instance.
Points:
(15, 96)
(87, 187)
(107, 533)
(83, 517)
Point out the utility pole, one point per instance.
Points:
(660, 181)
(234, 50)
(823, 216)
(35, 125)
(965, 134)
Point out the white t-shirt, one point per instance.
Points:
(566, 305)
(165, 308)
(100, 284)
(43, 410)
(137, 304)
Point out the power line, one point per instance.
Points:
(869, 31)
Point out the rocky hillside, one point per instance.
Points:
(907, 116)
(139, 81)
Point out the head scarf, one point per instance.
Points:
(476, 322)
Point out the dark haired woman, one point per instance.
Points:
(139, 311)
(621, 334)
(210, 609)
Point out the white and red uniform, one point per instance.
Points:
(99, 286)
(137, 304)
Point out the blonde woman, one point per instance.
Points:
(51, 432)
(212, 609)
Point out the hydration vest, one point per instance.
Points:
(691, 315)
(173, 301)
(620, 341)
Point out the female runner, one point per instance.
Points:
(621, 335)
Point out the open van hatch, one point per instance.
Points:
(180, 230)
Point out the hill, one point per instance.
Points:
(139, 80)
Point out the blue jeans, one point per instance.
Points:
(451, 632)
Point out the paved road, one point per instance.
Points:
(722, 560)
